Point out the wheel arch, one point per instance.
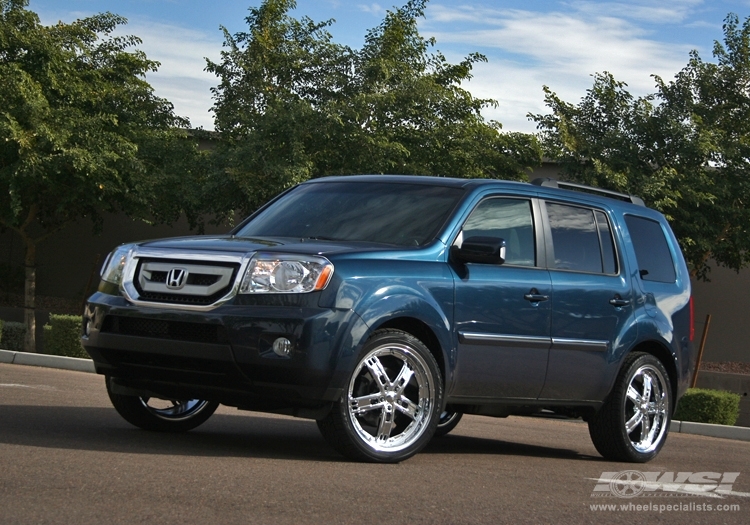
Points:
(419, 315)
(424, 333)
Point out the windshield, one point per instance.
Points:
(383, 212)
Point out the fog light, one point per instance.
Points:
(87, 327)
(282, 347)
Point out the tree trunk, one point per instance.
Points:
(29, 298)
(29, 317)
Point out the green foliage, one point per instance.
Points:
(293, 105)
(62, 336)
(75, 114)
(82, 133)
(12, 336)
(708, 406)
(685, 148)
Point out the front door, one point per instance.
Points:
(502, 312)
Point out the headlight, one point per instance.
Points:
(277, 273)
(114, 264)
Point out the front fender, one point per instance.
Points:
(394, 304)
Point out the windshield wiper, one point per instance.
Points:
(322, 238)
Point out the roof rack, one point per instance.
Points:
(552, 183)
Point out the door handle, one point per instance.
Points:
(534, 296)
(618, 301)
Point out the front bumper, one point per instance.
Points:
(225, 354)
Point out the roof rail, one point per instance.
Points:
(552, 183)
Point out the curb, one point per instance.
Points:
(705, 429)
(87, 365)
(48, 361)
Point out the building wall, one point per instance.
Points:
(727, 299)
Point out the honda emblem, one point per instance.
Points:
(176, 278)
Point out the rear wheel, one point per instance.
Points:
(634, 422)
(162, 415)
(391, 406)
(449, 418)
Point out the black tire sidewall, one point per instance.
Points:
(442, 430)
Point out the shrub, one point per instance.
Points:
(62, 336)
(708, 406)
(13, 336)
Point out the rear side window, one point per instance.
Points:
(509, 219)
(581, 239)
(651, 249)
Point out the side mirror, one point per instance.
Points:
(482, 250)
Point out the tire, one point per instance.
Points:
(391, 405)
(448, 420)
(633, 423)
(162, 415)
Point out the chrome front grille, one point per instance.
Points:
(199, 283)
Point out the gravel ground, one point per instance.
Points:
(726, 367)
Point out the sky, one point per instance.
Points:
(528, 43)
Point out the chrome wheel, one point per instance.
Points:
(391, 395)
(161, 415)
(449, 419)
(646, 409)
(391, 403)
(174, 410)
(633, 423)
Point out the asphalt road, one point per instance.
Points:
(67, 457)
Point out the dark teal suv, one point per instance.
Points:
(385, 307)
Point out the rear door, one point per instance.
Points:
(592, 313)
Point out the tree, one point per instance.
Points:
(293, 105)
(684, 148)
(81, 132)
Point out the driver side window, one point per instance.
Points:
(509, 219)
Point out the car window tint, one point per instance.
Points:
(609, 258)
(651, 250)
(575, 238)
(386, 212)
(509, 219)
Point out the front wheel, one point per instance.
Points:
(391, 406)
(162, 415)
(634, 422)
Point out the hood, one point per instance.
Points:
(229, 243)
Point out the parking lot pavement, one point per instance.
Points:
(67, 457)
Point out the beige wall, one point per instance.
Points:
(727, 298)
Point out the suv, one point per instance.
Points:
(384, 307)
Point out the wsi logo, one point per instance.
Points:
(176, 278)
(632, 483)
